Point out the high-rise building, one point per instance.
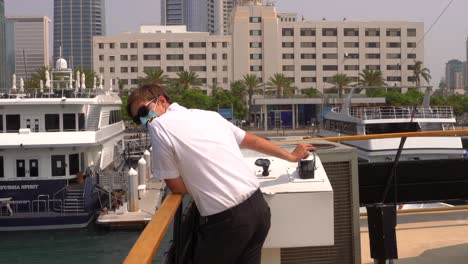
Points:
(454, 74)
(75, 25)
(465, 70)
(3, 73)
(199, 15)
(27, 45)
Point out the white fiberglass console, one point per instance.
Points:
(301, 209)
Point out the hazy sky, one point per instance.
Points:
(447, 40)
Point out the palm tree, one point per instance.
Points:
(280, 85)
(340, 80)
(251, 83)
(215, 90)
(371, 78)
(187, 80)
(153, 77)
(420, 71)
(34, 81)
(239, 90)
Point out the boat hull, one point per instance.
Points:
(45, 221)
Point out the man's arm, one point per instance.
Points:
(176, 185)
(262, 145)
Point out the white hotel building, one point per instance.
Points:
(264, 42)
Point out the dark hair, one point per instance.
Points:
(146, 92)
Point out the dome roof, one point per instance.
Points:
(61, 64)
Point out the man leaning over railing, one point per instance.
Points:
(197, 152)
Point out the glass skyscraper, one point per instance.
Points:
(3, 74)
(75, 24)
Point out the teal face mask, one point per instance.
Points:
(148, 118)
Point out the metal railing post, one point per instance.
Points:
(178, 234)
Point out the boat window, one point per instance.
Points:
(69, 122)
(1, 167)
(74, 164)
(20, 168)
(52, 122)
(58, 165)
(115, 116)
(349, 128)
(391, 128)
(12, 123)
(82, 162)
(81, 122)
(1, 123)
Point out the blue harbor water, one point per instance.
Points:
(90, 245)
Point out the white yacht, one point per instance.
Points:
(54, 143)
(365, 120)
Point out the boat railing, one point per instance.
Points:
(400, 112)
(38, 207)
(36, 93)
(73, 202)
(47, 200)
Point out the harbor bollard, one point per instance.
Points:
(142, 171)
(147, 156)
(133, 191)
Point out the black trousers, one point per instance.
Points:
(235, 235)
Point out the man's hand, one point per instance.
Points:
(301, 152)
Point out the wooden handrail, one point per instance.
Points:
(145, 247)
(387, 135)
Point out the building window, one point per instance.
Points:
(255, 19)
(214, 44)
(214, 68)
(352, 56)
(58, 165)
(327, 79)
(112, 69)
(2, 173)
(393, 67)
(372, 32)
(411, 44)
(197, 68)
(111, 58)
(224, 56)
(351, 32)
(197, 44)
(255, 68)
(307, 32)
(391, 56)
(151, 45)
(101, 45)
(69, 122)
(308, 56)
(225, 44)
(411, 55)
(288, 67)
(101, 69)
(123, 69)
(101, 57)
(133, 69)
(351, 67)
(393, 32)
(393, 44)
(288, 32)
(174, 45)
(332, 56)
(255, 44)
(393, 79)
(329, 44)
(308, 79)
(308, 68)
(174, 56)
(288, 44)
(372, 45)
(133, 57)
(256, 56)
(152, 57)
(411, 32)
(255, 32)
(197, 56)
(124, 45)
(330, 67)
(351, 44)
(1, 123)
(225, 68)
(73, 164)
(111, 45)
(13, 123)
(175, 68)
(329, 32)
(124, 57)
(150, 68)
(134, 45)
(202, 80)
(373, 67)
(225, 80)
(288, 56)
(372, 56)
(410, 67)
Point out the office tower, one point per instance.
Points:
(75, 24)
(3, 73)
(27, 45)
(454, 74)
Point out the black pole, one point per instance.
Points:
(177, 236)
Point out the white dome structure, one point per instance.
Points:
(61, 64)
